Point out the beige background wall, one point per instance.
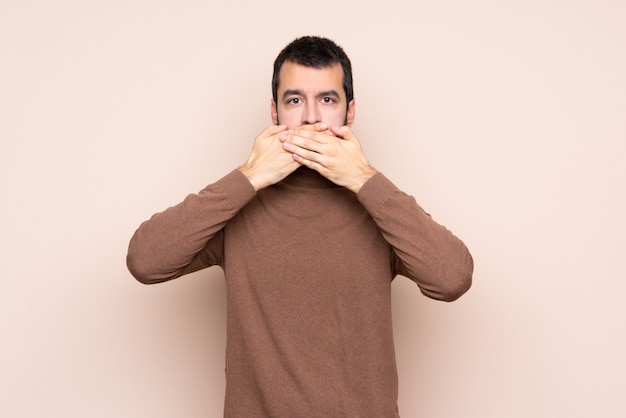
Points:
(505, 119)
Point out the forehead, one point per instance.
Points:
(298, 77)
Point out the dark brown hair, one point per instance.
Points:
(314, 52)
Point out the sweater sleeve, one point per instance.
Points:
(423, 250)
(187, 237)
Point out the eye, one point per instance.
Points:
(294, 100)
(328, 100)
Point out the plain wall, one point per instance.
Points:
(505, 120)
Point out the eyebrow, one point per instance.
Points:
(296, 92)
(332, 93)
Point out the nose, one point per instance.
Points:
(311, 114)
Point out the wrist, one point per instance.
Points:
(367, 173)
(252, 177)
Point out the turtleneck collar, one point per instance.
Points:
(305, 177)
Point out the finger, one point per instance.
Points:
(321, 127)
(316, 142)
(273, 130)
(322, 137)
(285, 135)
(302, 147)
(311, 163)
(316, 127)
(343, 132)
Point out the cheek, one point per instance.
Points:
(334, 117)
(290, 119)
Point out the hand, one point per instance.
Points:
(269, 163)
(335, 153)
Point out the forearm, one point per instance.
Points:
(169, 244)
(425, 251)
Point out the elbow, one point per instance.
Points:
(453, 283)
(451, 290)
(142, 265)
(141, 271)
(461, 278)
(460, 285)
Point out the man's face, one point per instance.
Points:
(309, 95)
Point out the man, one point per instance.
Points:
(310, 237)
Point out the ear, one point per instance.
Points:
(350, 115)
(274, 112)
